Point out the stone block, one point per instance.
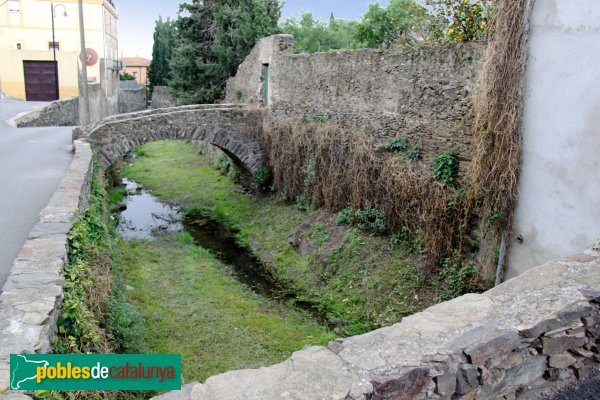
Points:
(493, 345)
(312, 374)
(558, 345)
(510, 361)
(445, 384)
(561, 360)
(560, 374)
(400, 387)
(467, 379)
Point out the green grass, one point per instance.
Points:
(193, 308)
(357, 279)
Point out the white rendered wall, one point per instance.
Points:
(558, 211)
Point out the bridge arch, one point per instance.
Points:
(234, 129)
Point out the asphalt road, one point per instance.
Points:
(32, 162)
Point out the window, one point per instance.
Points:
(19, 46)
(135, 74)
(14, 6)
(53, 46)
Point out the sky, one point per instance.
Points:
(136, 18)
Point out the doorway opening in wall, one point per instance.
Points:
(265, 78)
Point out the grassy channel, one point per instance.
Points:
(193, 308)
(357, 279)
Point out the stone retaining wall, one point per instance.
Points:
(422, 95)
(58, 113)
(516, 341)
(31, 298)
(131, 100)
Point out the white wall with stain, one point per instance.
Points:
(558, 211)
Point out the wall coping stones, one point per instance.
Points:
(484, 346)
(31, 298)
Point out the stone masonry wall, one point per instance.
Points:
(529, 335)
(58, 113)
(163, 97)
(422, 95)
(131, 100)
(234, 129)
(31, 298)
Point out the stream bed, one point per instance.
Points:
(145, 217)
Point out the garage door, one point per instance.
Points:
(40, 81)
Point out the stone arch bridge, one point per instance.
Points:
(232, 128)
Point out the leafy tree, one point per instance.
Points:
(165, 36)
(312, 35)
(391, 25)
(214, 38)
(463, 20)
(126, 76)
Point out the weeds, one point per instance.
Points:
(369, 219)
(263, 177)
(350, 172)
(394, 146)
(95, 316)
(409, 239)
(414, 153)
(302, 203)
(459, 278)
(445, 168)
(319, 234)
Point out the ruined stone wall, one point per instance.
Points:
(247, 85)
(422, 94)
(520, 340)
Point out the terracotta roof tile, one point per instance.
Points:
(135, 62)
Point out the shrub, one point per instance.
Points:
(220, 162)
(369, 219)
(445, 167)
(263, 177)
(302, 203)
(412, 240)
(459, 278)
(345, 217)
(394, 146)
(414, 153)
